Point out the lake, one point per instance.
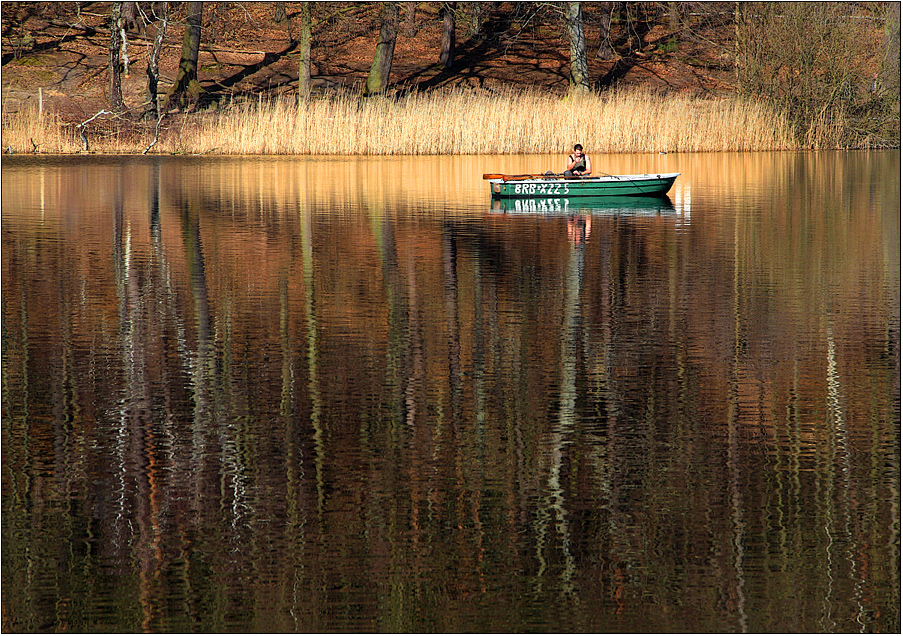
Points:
(356, 394)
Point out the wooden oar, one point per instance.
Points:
(509, 177)
(518, 177)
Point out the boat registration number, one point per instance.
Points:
(541, 188)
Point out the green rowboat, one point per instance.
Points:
(546, 186)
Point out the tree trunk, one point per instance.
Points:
(115, 47)
(677, 20)
(573, 21)
(123, 24)
(153, 64)
(130, 14)
(738, 58)
(606, 50)
(889, 75)
(304, 40)
(447, 54)
(188, 65)
(476, 18)
(280, 15)
(408, 19)
(378, 80)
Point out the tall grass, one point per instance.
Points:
(37, 131)
(461, 122)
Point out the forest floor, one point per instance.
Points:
(59, 56)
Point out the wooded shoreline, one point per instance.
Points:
(510, 77)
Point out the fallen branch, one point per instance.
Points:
(156, 135)
(81, 127)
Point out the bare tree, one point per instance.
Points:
(130, 14)
(116, 25)
(678, 20)
(573, 24)
(188, 65)
(408, 19)
(304, 46)
(280, 15)
(808, 60)
(477, 13)
(378, 80)
(447, 53)
(889, 75)
(151, 108)
(606, 50)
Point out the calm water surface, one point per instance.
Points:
(355, 395)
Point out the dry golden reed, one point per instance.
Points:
(37, 131)
(455, 122)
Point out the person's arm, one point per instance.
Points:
(589, 165)
(572, 161)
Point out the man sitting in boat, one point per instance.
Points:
(579, 164)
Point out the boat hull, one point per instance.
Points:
(644, 185)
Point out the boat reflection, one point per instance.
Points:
(584, 205)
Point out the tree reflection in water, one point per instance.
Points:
(263, 398)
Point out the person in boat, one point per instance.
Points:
(579, 164)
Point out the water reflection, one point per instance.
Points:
(261, 395)
(585, 205)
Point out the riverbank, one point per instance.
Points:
(656, 88)
(457, 122)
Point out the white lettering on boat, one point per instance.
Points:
(541, 188)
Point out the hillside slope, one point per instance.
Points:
(58, 52)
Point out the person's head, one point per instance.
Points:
(578, 148)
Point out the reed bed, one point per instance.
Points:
(454, 122)
(38, 131)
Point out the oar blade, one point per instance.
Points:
(520, 177)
